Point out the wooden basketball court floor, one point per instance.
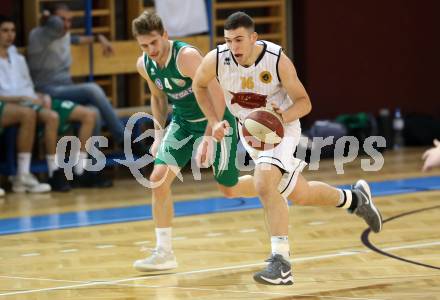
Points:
(334, 256)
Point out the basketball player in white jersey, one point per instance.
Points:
(255, 74)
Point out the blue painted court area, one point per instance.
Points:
(184, 208)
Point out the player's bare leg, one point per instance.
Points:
(316, 193)
(244, 188)
(25, 117)
(161, 178)
(267, 178)
(162, 257)
(87, 119)
(50, 119)
(358, 200)
(24, 181)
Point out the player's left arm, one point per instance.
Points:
(188, 61)
(295, 89)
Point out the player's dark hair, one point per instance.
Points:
(239, 19)
(146, 23)
(4, 19)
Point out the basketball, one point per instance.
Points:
(263, 129)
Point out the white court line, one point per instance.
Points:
(104, 246)
(315, 223)
(214, 234)
(247, 230)
(41, 279)
(348, 252)
(68, 250)
(141, 242)
(31, 254)
(411, 246)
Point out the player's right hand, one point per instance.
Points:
(220, 129)
(432, 157)
(205, 152)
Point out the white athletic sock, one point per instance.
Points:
(79, 167)
(280, 245)
(23, 163)
(51, 164)
(345, 198)
(163, 238)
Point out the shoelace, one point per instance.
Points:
(147, 249)
(365, 195)
(271, 260)
(153, 251)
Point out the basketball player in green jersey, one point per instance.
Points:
(168, 67)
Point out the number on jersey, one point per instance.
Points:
(247, 83)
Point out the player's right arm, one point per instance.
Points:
(204, 75)
(159, 102)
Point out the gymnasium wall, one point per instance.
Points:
(364, 55)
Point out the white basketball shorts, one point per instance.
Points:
(281, 156)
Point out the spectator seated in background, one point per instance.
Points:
(49, 58)
(16, 87)
(432, 157)
(25, 119)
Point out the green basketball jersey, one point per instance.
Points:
(178, 87)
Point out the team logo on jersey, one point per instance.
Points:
(181, 94)
(178, 82)
(266, 77)
(158, 83)
(152, 72)
(227, 61)
(249, 100)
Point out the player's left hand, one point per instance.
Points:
(278, 110)
(432, 157)
(205, 152)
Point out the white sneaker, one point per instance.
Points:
(159, 260)
(28, 183)
(2, 192)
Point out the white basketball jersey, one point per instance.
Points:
(253, 87)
